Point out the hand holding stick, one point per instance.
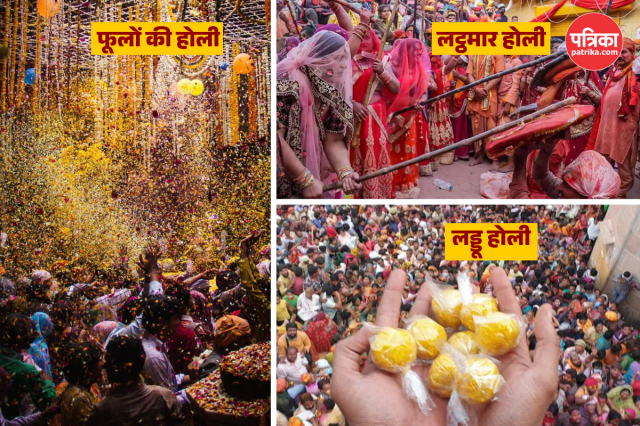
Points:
(464, 142)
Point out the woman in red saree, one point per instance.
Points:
(321, 331)
(440, 129)
(410, 63)
(370, 150)
(458, 107)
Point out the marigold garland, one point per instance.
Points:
(3, 77)
(233, 101)
(36, 83)
(14, 49)
(23, 58)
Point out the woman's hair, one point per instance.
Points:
(80, 358)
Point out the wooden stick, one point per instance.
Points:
(608, 7)
(484, 80)
(367, 96)
(464, 142)
(424, 19)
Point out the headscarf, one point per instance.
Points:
(327, 59)
(323, 317)
(230, 328)
(592, 176)
(290, 43)
(281, 385)
(334, 28)
(39, 350)
(410, 63)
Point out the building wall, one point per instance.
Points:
(629, 20)
(622, 255)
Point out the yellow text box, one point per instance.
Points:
(491, 241)
(491, 38)
(156, 38)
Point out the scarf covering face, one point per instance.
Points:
(321, 67)
(410, 63)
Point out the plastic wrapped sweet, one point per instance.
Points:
(480, 381)
(481, 305)
(443, 375)
(394, 350)
(497, 333)
(446, 304)
(429, 336)
(464, 342)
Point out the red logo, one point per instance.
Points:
(594, 41)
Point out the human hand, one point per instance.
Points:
(378, 67)
(149, 263)
(506, 109)
(365, 16)
(282, 15)
(531, 384)
(350, 183)
(360, 111)
(314, 190)
(480, 93)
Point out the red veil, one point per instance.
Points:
(360, 86)
(410, 63)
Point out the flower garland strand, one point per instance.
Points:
(3, 77)
(13, 69)
(36, 83)
(23, 53)
(233, 107)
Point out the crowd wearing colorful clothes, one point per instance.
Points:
(334, 265)
(119, 346)
(343, 113)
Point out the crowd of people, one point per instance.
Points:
(90, 347)
(336, 264)
(334, 126)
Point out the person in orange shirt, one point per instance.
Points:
(483, 99)
(614, 354)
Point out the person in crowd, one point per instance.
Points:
(133, 402)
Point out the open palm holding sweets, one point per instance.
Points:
(460, 373)
(395, 350)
